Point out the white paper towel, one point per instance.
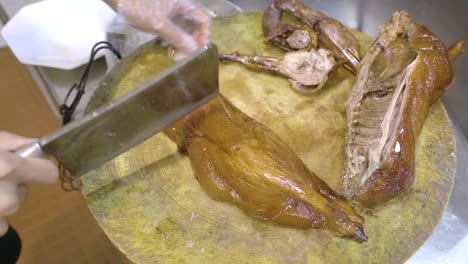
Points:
(2, 41)
(58, 33)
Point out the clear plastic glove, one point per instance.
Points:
(166, 19)
(16, 172)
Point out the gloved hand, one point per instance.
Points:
(16, 172)
(160, 17)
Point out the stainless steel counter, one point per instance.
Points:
(54, 83)
(449, 242)
(447, 19)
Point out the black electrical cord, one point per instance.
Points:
(68, 110)
(70, 182)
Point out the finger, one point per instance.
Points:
(202, 32)
(199, 17)
(181, 40)
(22, 192)
(27, 170)
(175, 54)
(142, 13)
(12, 142)
(9, 200)
(3, 226)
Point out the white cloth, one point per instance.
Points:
(58, 33)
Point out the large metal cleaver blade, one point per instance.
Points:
(112, 129)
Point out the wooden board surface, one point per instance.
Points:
(150, 205)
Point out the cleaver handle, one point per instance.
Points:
(32, 150)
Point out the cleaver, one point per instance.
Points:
(112, 129)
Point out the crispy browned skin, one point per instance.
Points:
(406, 70)
(332, 35)
(238, 160)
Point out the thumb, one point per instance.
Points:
(12, 142)
(3, 226)
(177, 37)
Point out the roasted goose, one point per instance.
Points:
(308, 71)
(405, 71)
(329, 33)
(239, 161)
(307, 66)
(286, 36)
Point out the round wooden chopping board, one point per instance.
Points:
(152, 208)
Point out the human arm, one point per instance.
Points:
(162, 17)
(16, 172)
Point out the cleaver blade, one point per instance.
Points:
(112, 129)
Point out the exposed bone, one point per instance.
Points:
(301, 39)
(366, 131)
(387, 138)
(307, 70)
(372, 123)
(375, 104)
